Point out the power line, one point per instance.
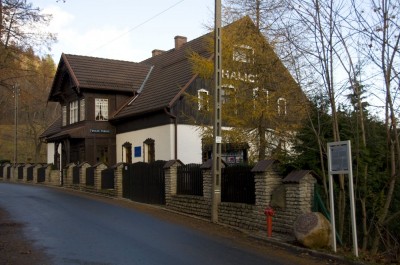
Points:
(138, 26)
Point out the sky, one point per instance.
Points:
(123, 29)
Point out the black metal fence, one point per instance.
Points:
(144, 182)
(90, 176)
(29, 173)
(237, 184)
(20, 170)
(75, 175)
(107, 178)
(41, 174)
(190, 180)
(1, 171)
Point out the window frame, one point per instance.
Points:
(64, 115)
(240, 54)
(73, 112)
(98, 110)
(82, 109)
(281, 99)
(203, 102)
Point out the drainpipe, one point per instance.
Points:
(176, 132)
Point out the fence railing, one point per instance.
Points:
(90, 176)
(237, 184)
(75, 175)
(107, 178)
(190, 180)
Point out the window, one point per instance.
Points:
(64, 115)
(127, 151)
(73, 112)
(243, 53)
(202, 96)
(149, 151)
(260, 96)
(227, 93)
(82, 110)
(101, 109)
(102, 154)
(281, 106)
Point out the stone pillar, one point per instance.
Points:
(266, 180)
(47, 174)
(82, 173)
(6, 170)
(118, 175)
(171, 175)
(35, 173)
(25, 172)
(68, 178)
(97, 174)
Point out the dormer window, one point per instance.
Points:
(243, 53)
(202, 98)
(101, 109)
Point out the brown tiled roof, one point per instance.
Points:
(171, 74)
(78, 132)
(100, 74)
(54, 128)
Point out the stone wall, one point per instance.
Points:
(289, 196)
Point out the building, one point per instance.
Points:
(116, 111)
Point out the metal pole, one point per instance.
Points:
(16, 91)
(216, 165)
(331, 200)
(352, 206)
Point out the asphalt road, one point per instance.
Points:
(77, 229)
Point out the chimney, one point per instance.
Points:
(179, 41)
(156, 52)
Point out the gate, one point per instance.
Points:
(107, 178)
(190, 180)
(143, 182)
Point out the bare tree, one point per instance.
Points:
(379, 25)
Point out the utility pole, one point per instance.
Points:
(217, 138)
(16, 94)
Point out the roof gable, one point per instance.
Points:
(100, 74)
(172, 73)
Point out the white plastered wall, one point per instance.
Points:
(163, 137)
(189, 144)
(50, 153)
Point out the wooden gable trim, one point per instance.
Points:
(71, 72)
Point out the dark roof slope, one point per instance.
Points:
(101, 74)
(171, 74)
(53, 129)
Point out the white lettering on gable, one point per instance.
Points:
(250, 78)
